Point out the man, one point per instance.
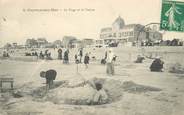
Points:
(157, 65)
(50, 76)
(110, 62)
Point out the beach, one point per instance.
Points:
(134, 90)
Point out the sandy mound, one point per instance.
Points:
(82, 94)
(132, 87)
(77, 96)
(113, 88)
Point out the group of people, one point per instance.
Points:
(109, 59)
(64, 57)
(46, 55)
(79, 56)
(100, 96)
(156, 66)
(5, 54)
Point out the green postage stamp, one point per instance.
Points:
(172, 16)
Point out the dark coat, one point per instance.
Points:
(66, 55)
(50, 75)
(86, 60)
(156, 65)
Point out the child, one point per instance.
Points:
(86, 60)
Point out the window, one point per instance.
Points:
(125, 34)
(119, 34)
(132, 33)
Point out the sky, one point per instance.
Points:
(20, 19)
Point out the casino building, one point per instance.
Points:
(130, 34)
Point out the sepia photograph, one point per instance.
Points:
(91, 57)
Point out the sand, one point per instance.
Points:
(133, 90)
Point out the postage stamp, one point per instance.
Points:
(172, 16)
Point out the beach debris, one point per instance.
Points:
(132, 87)
(176, 68)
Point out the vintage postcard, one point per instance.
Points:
(91, 57)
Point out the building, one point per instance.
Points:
(76, 44)
(132, 34)
(67, 41)
(31, 43)
(14, 45)
(87, 42)
(41, 42)
(57, 43)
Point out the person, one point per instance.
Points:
(50, 76)
(49, 56)
(114, 58)
(86, 60)
(5, 54)
(101, 96)
(60, 54)
(110, 62)
(157, 65)
(66, 57)
(46, 53)
(41, 56)
(80, 55)
(139, 59)
(33, 54)
(76, 59)
(103, 60)
(36, 54)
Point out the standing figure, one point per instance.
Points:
(49, 56)
(110, 62)
(36, 54)
(80, 55)
(46, 54)
(66, 57)
(86, 60)
(60, 54)
(41, 56)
